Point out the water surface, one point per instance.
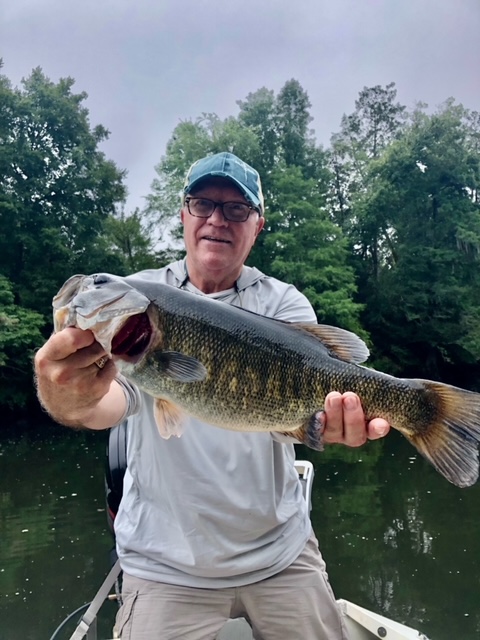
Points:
(396, 536)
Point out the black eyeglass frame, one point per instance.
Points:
(221, 205)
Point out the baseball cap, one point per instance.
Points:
(227, 165)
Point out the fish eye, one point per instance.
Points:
(100, 278)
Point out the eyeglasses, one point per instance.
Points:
(232, 211)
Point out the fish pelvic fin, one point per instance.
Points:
(311, 431)
(343, 344)
(169, 418)
(451, 443)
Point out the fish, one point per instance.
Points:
(238, 370)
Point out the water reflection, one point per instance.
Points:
(396, 536)
(52, 523)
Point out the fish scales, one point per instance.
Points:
(237, 370)
(264, 377)
(282, 380)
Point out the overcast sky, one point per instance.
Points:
(147, 65)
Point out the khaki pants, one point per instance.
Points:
(298, 603)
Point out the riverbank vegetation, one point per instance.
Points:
(381, 229)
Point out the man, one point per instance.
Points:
(212, 525)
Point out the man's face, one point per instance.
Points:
(216, 245)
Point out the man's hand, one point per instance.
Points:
(70, 385)
(345, 421)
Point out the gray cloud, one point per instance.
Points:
(146, 65)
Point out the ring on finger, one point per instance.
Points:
(101, 362)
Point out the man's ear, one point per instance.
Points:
(260, 225)
(182, 215)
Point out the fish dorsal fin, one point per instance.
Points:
(342, 343)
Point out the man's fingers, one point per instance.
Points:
(69, 383)
(73, 347)
(354, 427)
(333, 431)
(65, 343)
(345, 421)
(377, 428)
(68, 359)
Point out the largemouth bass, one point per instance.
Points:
(238, 370)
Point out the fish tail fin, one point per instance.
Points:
(451, 442)
(169, 418)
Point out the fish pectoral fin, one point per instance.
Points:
(179, 367)
(342, 343)
(169, 418)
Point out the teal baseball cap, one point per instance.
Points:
(227, 165)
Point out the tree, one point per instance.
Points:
(258, 112)
(20, 333)
(303, 247)
(131, 238)
(299, 242)
(293, 117)
(364, 134)
(57, 192)
(57, 187)
(423, 306)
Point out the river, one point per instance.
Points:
(397, 537)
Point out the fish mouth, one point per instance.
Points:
(133, 339)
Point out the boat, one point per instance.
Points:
(361, 623)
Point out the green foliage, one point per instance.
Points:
(130, 238)
(304, 247)
(381, 231)
(422, 293)
(57, 187)
(258, 113)
(293, 118)
(364, 134)
(58, 201)
(20, 333)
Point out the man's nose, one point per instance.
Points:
(217, 216)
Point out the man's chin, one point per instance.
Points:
(216, 251)
(217, 260)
